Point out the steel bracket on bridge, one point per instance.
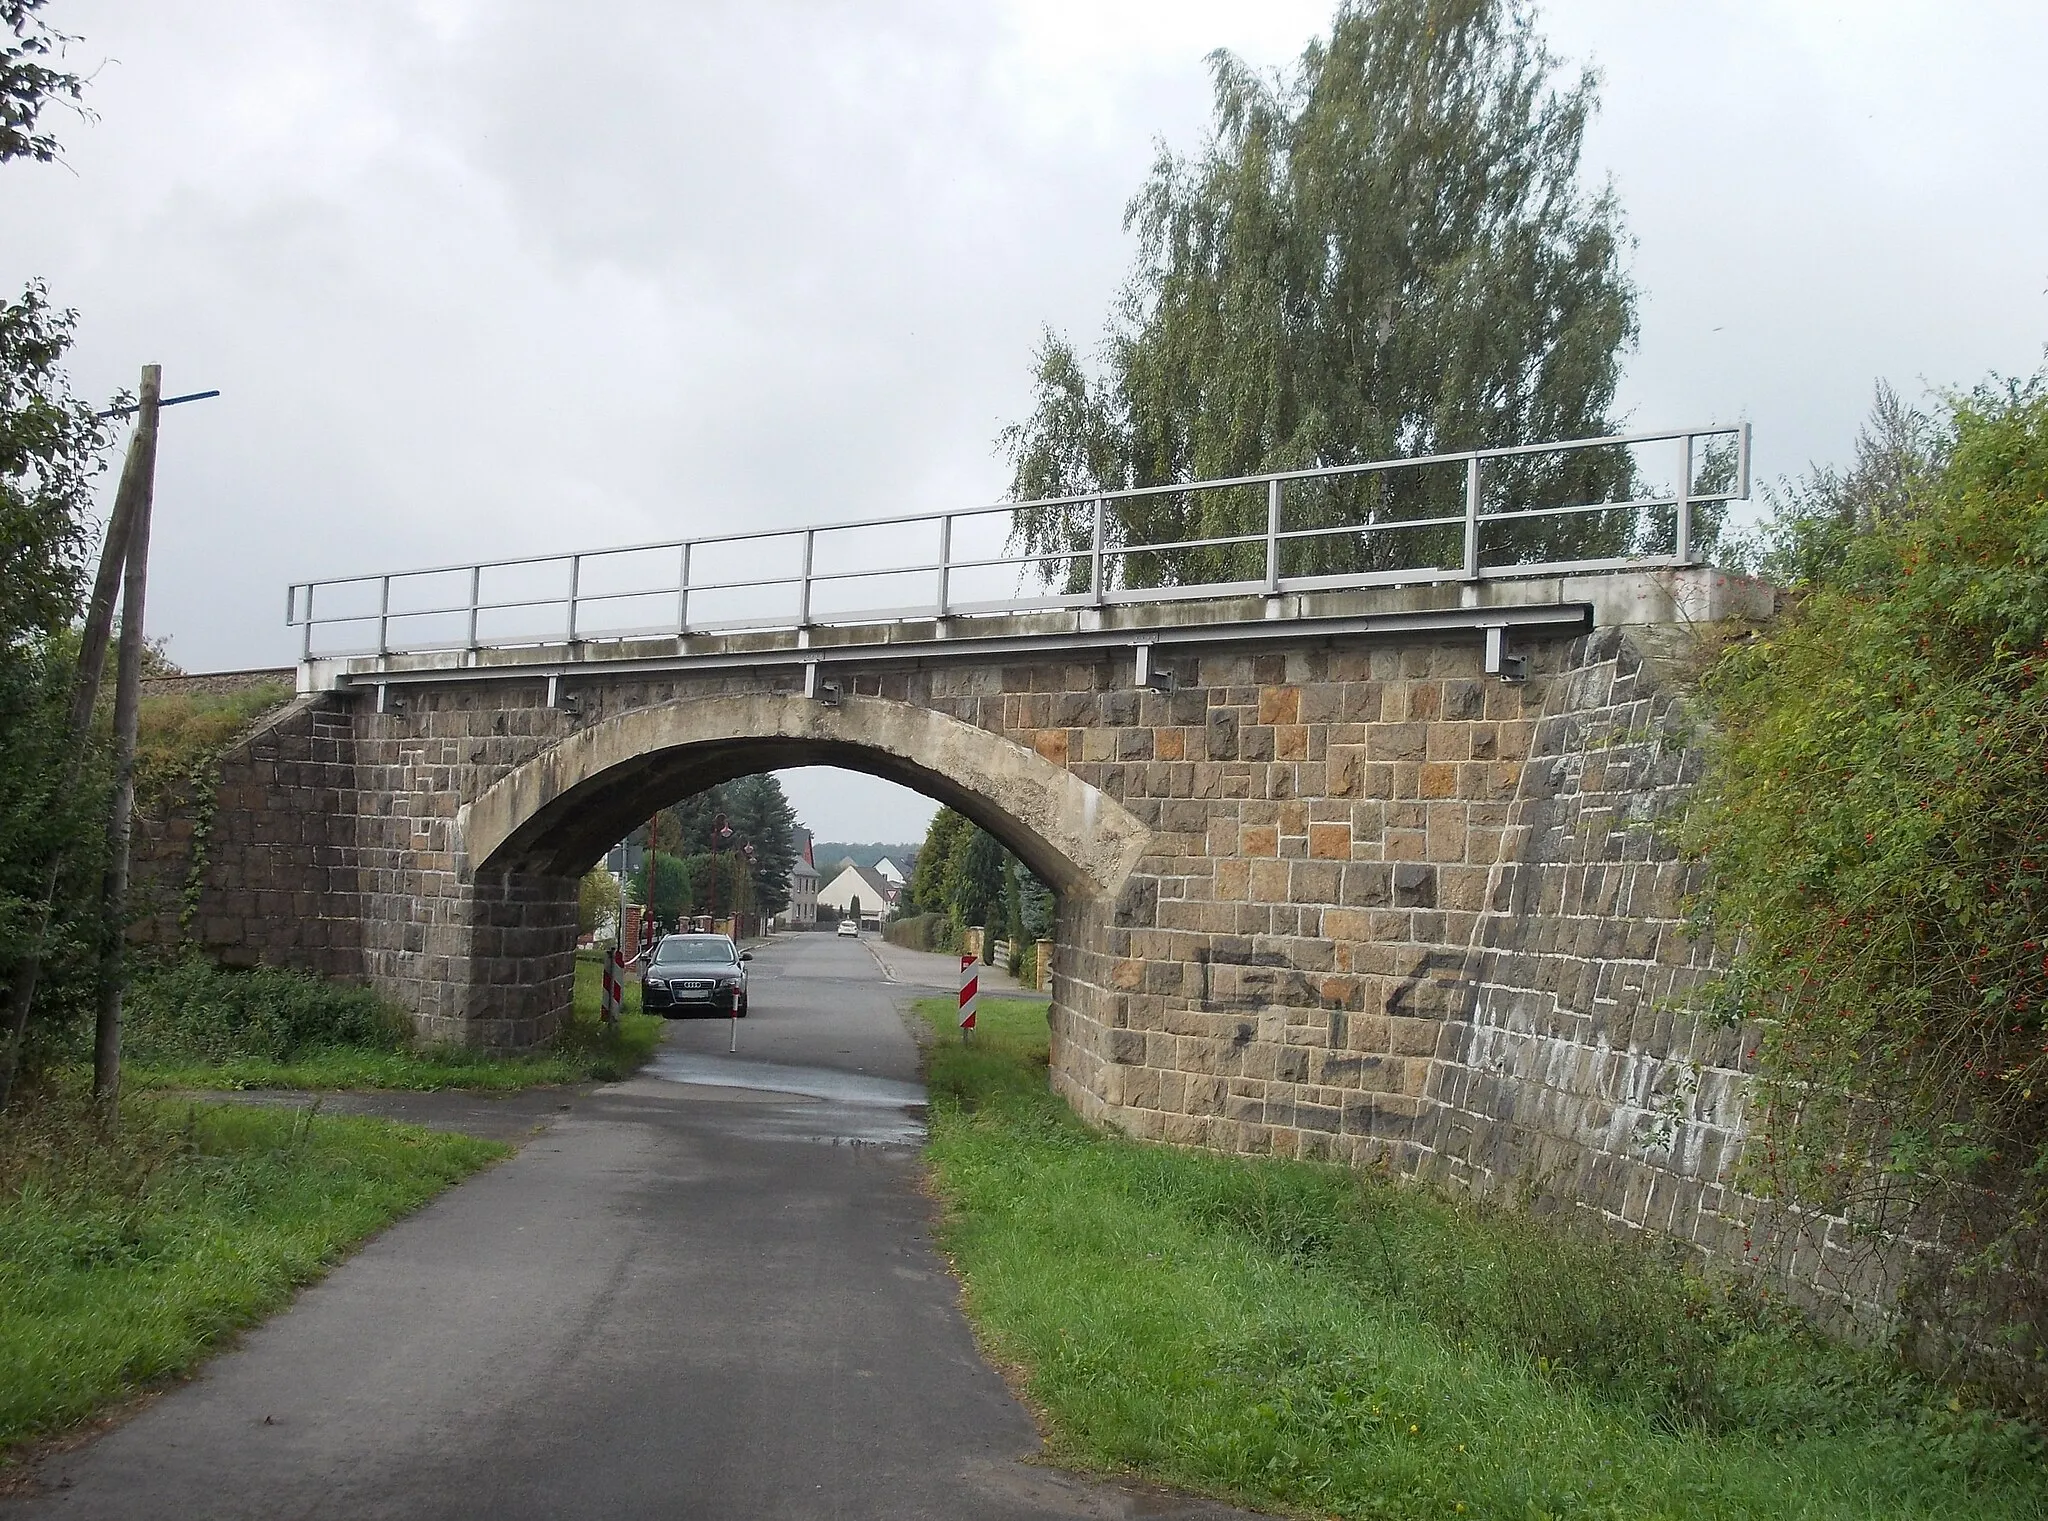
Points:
(1509, 668)
(1151, 675)
(819, 688)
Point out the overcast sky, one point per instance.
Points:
(480, 279)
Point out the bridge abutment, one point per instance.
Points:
(479, 956)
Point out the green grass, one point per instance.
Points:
(583, 1051)
(1303, 1338)
(124, 1259)
(179, 733)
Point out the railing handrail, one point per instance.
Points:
(302, 597)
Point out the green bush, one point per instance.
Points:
(357, 1052)
(923, 932)
(179, 733)
(191, 1011)
(1875, 829)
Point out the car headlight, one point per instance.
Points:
(657, 984)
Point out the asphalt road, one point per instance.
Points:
(707, 1292)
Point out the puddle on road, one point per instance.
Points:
(840, 1108)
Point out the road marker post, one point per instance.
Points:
(970, 996)
(614, 1002)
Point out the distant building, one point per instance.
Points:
(802, 912)
(852, 885)
(889, 872)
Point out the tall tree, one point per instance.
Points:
(974, 879)
(1388, 254)
(762, 815)
(30, 81)
(967, 874)
(946, 833)
(597, 900)
(52, 446)
(1814, 522)
(757, 813)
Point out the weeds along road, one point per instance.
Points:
(706, 1292)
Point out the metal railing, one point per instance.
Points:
(1469, 516)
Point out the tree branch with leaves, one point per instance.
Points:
(1388, 253)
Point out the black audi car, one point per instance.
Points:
(692, 973)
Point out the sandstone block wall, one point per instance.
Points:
(260, 868)
(1390, 911)
(478, 958)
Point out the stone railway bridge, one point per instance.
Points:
(1331, 883)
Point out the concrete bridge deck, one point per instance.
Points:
(1652, 604)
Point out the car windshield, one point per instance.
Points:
(698, 949)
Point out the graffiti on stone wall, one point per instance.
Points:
(1437, 988)
(1233, 978)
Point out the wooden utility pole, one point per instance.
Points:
(138, 473)
(106, 1035)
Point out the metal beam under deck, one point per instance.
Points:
(1548, 620)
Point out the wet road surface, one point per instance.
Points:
(706, 1292)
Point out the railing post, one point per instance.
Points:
(683, 592)
(476, 581)
(575, 591)
(306, 645)
(1095, 557)
(1472, 518)
(1742, 462)
(1272, 538)
(803, 605)
(945, 562)
(1682, 549)
(384, 616)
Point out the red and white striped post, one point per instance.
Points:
(970, 995)
(614, 986)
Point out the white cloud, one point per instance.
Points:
(481, 279)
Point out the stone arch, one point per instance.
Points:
(559, 811)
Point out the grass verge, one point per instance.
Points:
(1310, 1339)
(206, 1041)
(126, 1257)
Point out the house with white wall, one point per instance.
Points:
(851, 885)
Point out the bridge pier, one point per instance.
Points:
(479, 959)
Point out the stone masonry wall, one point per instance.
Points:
(483, 959)
(263, 870)
(1568, 1066)
(1413, 918)
(1392, 911)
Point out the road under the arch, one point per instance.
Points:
(682, 1298)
